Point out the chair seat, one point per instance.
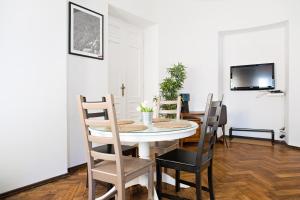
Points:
(126, 149)
(131, 166)
(180, 159)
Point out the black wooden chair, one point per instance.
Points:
(193, 162)
(222, 121)
(108, 148)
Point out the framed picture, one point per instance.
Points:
(85, 32)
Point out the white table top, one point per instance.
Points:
(152, 134)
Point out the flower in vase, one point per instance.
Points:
(144, 107)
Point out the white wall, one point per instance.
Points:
(142, 8)
(33, 80)
(33, 144)
(294, 71)
(151, 66)
(253, 109)
(88, 77)
(188, 32)
(142, 13)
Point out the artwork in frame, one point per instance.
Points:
(85, 32)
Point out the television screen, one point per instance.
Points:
(252, 77)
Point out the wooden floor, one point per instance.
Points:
(242, 172)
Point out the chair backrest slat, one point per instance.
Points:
(95, 105)
(223, 116)
(209, 129)
(97, 122)
(162, 103)
(213, 125)
(215, 103)
(103, 156)
(100, 139)
(212, 119)
(167, 112)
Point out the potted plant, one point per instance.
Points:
(147, 112)
(173, 83)
(170, 86)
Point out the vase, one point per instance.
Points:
(147, 118)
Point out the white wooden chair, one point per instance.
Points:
(164, 147)
(115, 168)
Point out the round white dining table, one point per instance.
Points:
(144, 139)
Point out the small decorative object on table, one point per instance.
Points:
(147, 112)
(185, 97)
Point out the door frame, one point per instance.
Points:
(141, 64)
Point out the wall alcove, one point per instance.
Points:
(251, 109)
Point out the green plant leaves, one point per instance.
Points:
(144, 107)
(171, 85)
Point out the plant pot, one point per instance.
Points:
(147, 118)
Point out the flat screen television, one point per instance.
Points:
(252, 77)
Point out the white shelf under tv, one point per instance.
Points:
(275, 94)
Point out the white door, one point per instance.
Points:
(125, 67)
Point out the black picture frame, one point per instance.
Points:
(90, 41)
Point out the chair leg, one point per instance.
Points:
(158, 181)
(210, 182)
(198, 185)
(108, 186)
(91, 189)
(224, 136)
(216, 136)
(120, 192)
(134, 152)
(177, 182)
(87, 179)
(150, 184)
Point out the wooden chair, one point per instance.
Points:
(193, 162)
(222, 122)
(166, 146)
(127, 150)
(115, 168)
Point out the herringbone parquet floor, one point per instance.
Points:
(242, 172)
